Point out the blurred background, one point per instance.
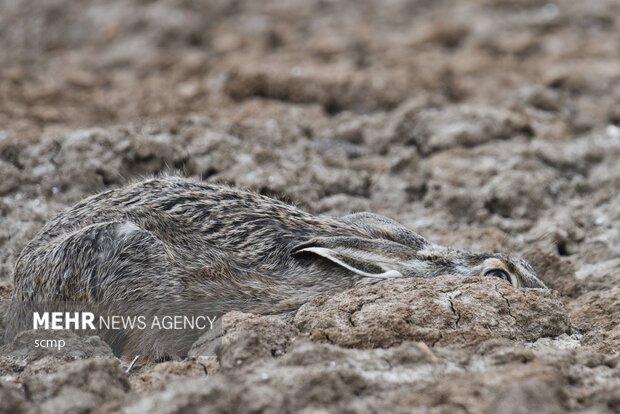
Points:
(75, 63)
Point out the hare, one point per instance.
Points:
(178, 241)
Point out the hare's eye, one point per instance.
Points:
(502, 274)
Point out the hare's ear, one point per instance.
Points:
(386, 228)
(350, 254)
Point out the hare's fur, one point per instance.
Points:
(177, 240)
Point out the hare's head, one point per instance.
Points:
(374, 259)
(514, 270)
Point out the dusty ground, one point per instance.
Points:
(491, 125)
